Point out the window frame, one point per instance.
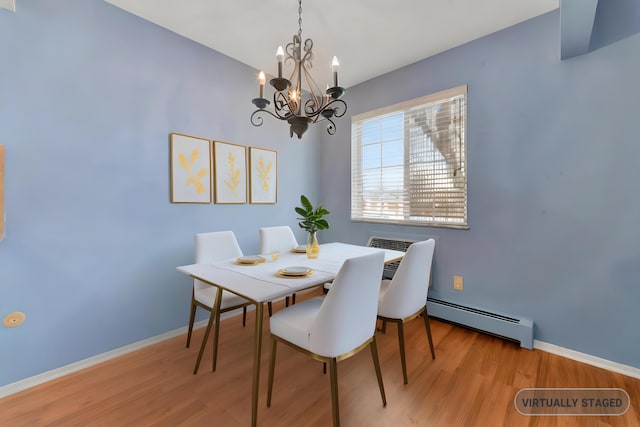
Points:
(358, 174)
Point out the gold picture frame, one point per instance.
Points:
(230, 171)
(263, 173)
(190, 169)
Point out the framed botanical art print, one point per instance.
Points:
(263, 172)
(190, 169)
(230, 169)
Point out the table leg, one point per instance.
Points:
(212, 318)
(256, 364)
(216, 308)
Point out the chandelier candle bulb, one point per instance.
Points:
(280, 58)
(334, 66)
(261, 79)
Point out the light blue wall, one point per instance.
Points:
(553, 175)
(615, 20)
(88, 97)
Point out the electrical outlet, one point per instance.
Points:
(458, 283)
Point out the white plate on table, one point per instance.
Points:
(250, 260)
(295, 271)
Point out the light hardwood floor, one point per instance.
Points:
(472, 382)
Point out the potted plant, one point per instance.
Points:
(312, 220)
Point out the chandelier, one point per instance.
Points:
(298, 99)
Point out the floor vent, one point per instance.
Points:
(512, 328)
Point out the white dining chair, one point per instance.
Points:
(337, 326)
(211, 247)
(281, 239)
(404, 297)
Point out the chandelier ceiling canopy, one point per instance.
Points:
(299, 100)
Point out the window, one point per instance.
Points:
(408, 162)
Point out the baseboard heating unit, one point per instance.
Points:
(516, 329)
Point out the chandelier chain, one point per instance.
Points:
(300, 19)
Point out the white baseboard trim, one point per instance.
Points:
(629, 371)
(103, 357)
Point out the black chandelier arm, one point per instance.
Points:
(335, 108)
(331, 127)
(312, 107)
(339, 107)
(283, 109)
(257, 120)
(331, 111)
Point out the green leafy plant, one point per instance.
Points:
(312, 218)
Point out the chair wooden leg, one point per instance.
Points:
(212, 318)
(272, 366)
(333, 378)
(270, 308)
(192, 318)
(376, 364)
(428, 327)
(402, 354)
(286, 301)
(293, 299)
(244, 316)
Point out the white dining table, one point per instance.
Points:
(261, 283)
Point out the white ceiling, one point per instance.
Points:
(369, 37)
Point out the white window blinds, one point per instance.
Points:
(409, 162)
